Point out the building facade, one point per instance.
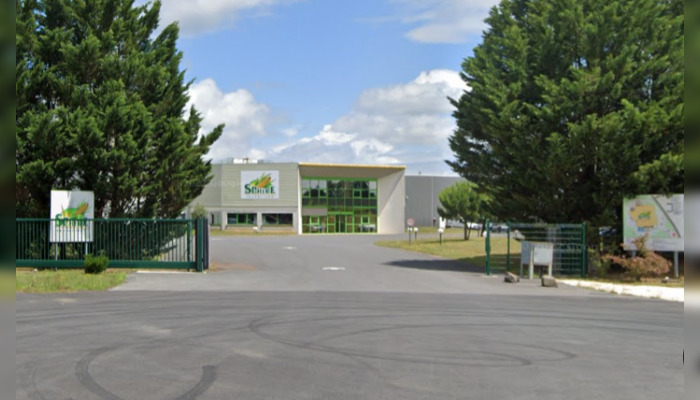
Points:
(306, 198)
(422, 197)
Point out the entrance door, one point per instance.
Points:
(341, 223)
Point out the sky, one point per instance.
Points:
(362, 82)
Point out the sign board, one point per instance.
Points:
(258, 185)
(659, 217)
(443, 223)
(411, 222)
(542, 253)
(71, 211)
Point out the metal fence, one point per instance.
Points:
(128, 243)
(504, 242)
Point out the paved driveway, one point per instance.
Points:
(272, 323)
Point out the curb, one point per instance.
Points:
(649, 292)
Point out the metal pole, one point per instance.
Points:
(675, 265)
(409, 235)
(583, 250)
(508, 247)
(488, 247)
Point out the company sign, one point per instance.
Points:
(71, 215)
(256, 185)
(659, 217)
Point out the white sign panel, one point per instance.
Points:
(71, 212)
(256, 185)
(659, 217)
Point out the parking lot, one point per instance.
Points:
(335, 317)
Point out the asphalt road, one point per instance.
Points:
(274, 322)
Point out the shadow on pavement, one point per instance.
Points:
(437, 265)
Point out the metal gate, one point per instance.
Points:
(503, 245)
(128, 243)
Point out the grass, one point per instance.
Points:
(470, 251)
(66, 281)
(250, 232)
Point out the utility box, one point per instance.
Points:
(539, 254)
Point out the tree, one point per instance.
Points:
(100, 106)
(574, 104)
(463, 202)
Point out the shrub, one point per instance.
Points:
(96, 264)
(646, 264)
(199, 212)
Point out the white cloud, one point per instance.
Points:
(203, 16)
(400, 124)
(445, 21)
(244, 117)
(417, 112)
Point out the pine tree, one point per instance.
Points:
(573, 105)
(100, 106)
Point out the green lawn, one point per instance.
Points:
(470, 251)
(250, 232)
(69, 280)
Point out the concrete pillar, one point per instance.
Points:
(224, 220)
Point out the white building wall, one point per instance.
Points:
(392, 203)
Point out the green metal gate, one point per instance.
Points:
(503, 244)
(128, 243)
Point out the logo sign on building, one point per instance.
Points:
(71, 212)
(659, 217)
(256, 185)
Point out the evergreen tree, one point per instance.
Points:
(100, 104)
(573, 105)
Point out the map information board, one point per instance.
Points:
(659, 217)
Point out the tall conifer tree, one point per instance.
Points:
(101, 106)
(573, 105)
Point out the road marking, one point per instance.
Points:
(333, 268)
(289, 248)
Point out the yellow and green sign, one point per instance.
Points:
(259, 185)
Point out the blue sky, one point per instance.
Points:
(328, 80)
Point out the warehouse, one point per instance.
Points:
(307, 198)
(422, 197)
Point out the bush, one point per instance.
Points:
(646, 264)
(96, 264)
(199, 212)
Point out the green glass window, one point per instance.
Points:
(241, 218)
(350, 205)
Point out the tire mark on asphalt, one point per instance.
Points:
(257, 325)
(28, 382)
(82, 371)
(205, 382)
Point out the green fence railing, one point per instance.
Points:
(128, 243)
(504, 240)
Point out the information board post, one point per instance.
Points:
(675, 265)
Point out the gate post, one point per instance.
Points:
(200, 244)
(488, 247)
(508, 247)
(584, 251)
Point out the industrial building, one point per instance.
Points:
(306, 197)
(311, 198)
(422, 197)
